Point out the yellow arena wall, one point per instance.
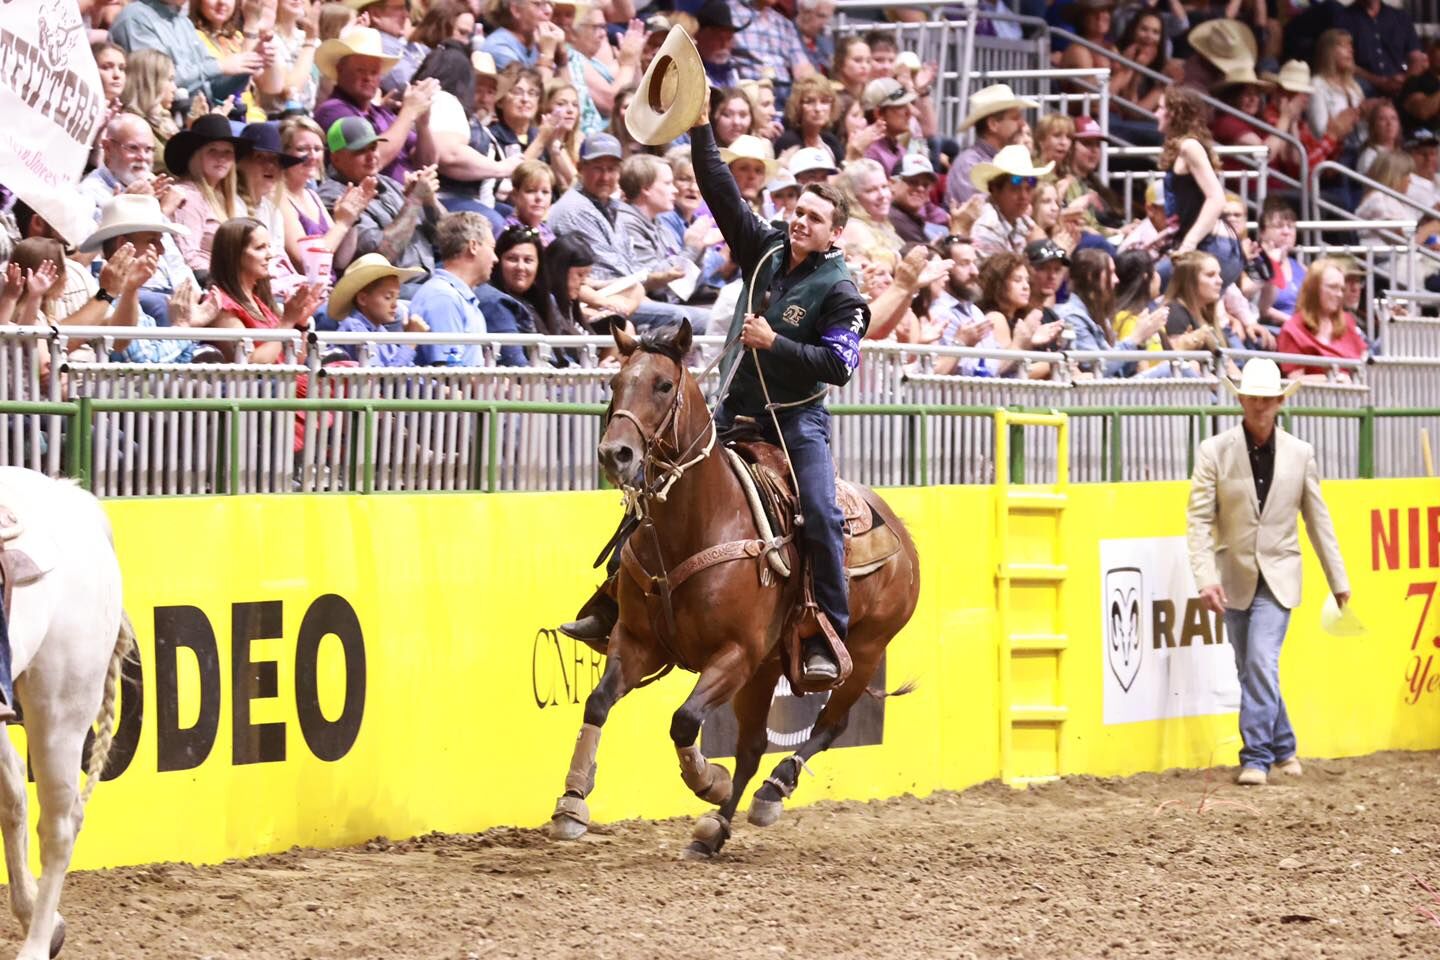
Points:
(321, 670)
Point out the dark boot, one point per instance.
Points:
(596, 619)
(820, 665)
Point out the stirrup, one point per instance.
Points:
(820, 667)
(591, 629)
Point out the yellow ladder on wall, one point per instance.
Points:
(1029, 603)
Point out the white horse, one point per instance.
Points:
(69, 637)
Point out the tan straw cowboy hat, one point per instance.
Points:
(1225, 43)
(996, 98)
(1294, 77)
(1241, 76)
(1261, 378)
(746, 147)
(1013, 161)
(130, 213)
(357, 41)
(672, 93)
(359, 275)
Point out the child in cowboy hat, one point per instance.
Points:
(367, 300)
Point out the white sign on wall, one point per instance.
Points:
(1165, 655)
(52, 103)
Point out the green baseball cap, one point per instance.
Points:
(350, 133)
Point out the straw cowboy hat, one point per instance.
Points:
(1013, 160)
(130, 213)
(1261, 378)
(1225, 43)
(358, 42)
(483, 64)
(211, 128)
(996, 98)
(746, 147)
(672, 93)
(1241, 76)
(1294, 77)
(359, 275)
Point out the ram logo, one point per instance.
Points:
(1124, 645)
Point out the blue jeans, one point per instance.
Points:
(1256, 635)
(807, 436)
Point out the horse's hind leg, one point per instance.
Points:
(56, 740)
(16, 827)
(752, 711)
(766, 806)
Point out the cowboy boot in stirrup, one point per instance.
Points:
(819, 664)
(596, 618)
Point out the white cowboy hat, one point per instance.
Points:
(672, 93)
(1013, 160)
(357, 41)
(483, 63)
(359, 275)
(746, 147)
(1294, 77)
(994, 99)
(1261, 378)
(1225, 43)
(130, 213)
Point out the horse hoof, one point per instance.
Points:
(57, 939)
(571, 818)
(711, 832)
(564, 828)
(764, 813)
(720, 787)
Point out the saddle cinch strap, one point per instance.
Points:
(704, 560)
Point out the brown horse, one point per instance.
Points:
(723, 621)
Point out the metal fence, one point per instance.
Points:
(134, 430)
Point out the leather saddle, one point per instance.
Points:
(869, 542)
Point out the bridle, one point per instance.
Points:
(653, 457)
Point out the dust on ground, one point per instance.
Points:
(1324, 866)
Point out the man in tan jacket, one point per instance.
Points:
(1249, 484)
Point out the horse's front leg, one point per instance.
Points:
(719, 681)
(623, 672)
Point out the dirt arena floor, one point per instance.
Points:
(1330, 865)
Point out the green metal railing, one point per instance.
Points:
(80, 414)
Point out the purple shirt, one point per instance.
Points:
(887, 153)
(340, 105)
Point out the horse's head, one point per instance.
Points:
(647, 403)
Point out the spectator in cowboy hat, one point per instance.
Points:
(915, 217)
(1218, 48)
(752, 163)
(997, 115)
(367, 300)
(1009, 183)
(887, 101)
(130, 237)
(812, 165)
(399, 222)
(1288, 111)
(715, 39)
(391, 18)
(356, 61)
(202, 160)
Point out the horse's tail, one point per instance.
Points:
(909, 686)
(100, 749)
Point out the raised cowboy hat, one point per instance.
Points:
(1225, 43)
(672, 93)
(1013, 160)
(129, 213)
(995, 98)
(1261, 378)
(359, 275)
(357, 42)
(746, 147)
(1294, 77)
(211, 128)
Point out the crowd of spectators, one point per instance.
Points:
(453, 166)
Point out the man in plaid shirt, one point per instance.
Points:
(773, 43)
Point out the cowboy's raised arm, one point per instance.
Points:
(744, 232)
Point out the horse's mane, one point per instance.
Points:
(661, 340)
